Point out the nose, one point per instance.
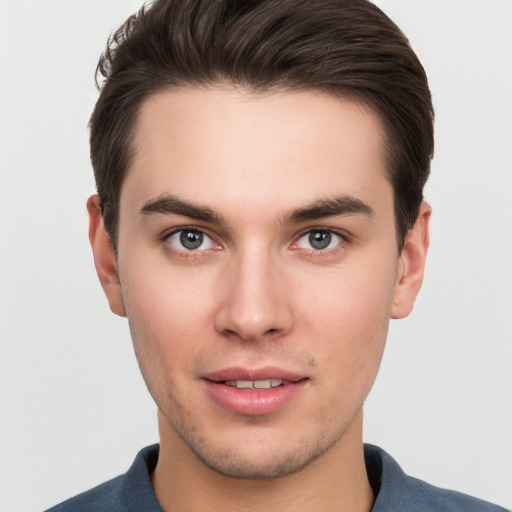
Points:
(255, 299)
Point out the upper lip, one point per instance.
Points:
(266, 373)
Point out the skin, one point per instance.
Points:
(256, 293)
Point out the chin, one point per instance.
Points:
(259, 461)
(242, 467)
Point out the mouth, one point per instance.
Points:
(254, 392)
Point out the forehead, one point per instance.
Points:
(224, 146)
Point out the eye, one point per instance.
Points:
(190, 240)
(319, 240)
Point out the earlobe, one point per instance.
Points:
(104, 257)
(412, 264)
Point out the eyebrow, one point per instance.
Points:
(331, 207)
(170, 204)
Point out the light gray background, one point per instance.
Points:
(74, 410)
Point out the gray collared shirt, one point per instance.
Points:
(395, 491)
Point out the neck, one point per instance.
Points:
(335, 481)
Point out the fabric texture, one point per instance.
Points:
(394, 490)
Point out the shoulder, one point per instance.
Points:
(131, 491)
(103, 497)
(399, 492)
(437, 499)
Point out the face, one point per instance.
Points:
(258, 268)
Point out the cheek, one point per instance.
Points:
(167, 299)
(352, 302)
(350, 316)
(164, 325)
(167, 312)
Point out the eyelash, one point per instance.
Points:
(201, 253)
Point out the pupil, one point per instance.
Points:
(320, 239)
(191, 239)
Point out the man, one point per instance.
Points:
(259, 219)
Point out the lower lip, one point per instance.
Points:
(253, 402)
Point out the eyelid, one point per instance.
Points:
(343, 233)
(176, 229)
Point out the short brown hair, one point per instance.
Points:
(343, 47)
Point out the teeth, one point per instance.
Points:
(254, 384)
(266, 384)
(243, 384)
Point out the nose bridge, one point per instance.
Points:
(255, 302)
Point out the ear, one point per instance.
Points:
(411, 266)
(104, 257)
